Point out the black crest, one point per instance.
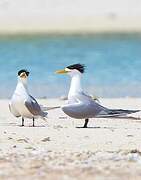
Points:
(79, 67)
(23, 70)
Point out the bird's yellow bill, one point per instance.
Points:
(61, 71)
(23, 75)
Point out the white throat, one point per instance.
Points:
(75, 86)
(21, 87)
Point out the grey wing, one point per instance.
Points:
(81, 110)
(84, 107)
(33, 106)
(13, 110)
(101, 111)
(41, 106)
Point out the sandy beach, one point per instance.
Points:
(60, 150)
(60, 16)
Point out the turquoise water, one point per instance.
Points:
(113, 63)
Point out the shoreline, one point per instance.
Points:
(69, 33)
(68, 24)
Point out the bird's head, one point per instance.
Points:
(72, 70)
(23, 75)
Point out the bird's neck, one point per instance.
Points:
(75, 86)
(21, 87)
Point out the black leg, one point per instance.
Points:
(22, 121)
(86, 123)
(33, 122)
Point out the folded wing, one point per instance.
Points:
(34, 108)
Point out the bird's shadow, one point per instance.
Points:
(92, 127)
(31, 126)
(17, 125)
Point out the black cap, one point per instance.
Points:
(23, 70)
(79, 67)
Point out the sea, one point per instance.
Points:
(112, 63)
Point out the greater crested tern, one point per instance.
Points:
(81, 105)
(22, 104)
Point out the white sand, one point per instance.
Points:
(61, 16)
(57, 149)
